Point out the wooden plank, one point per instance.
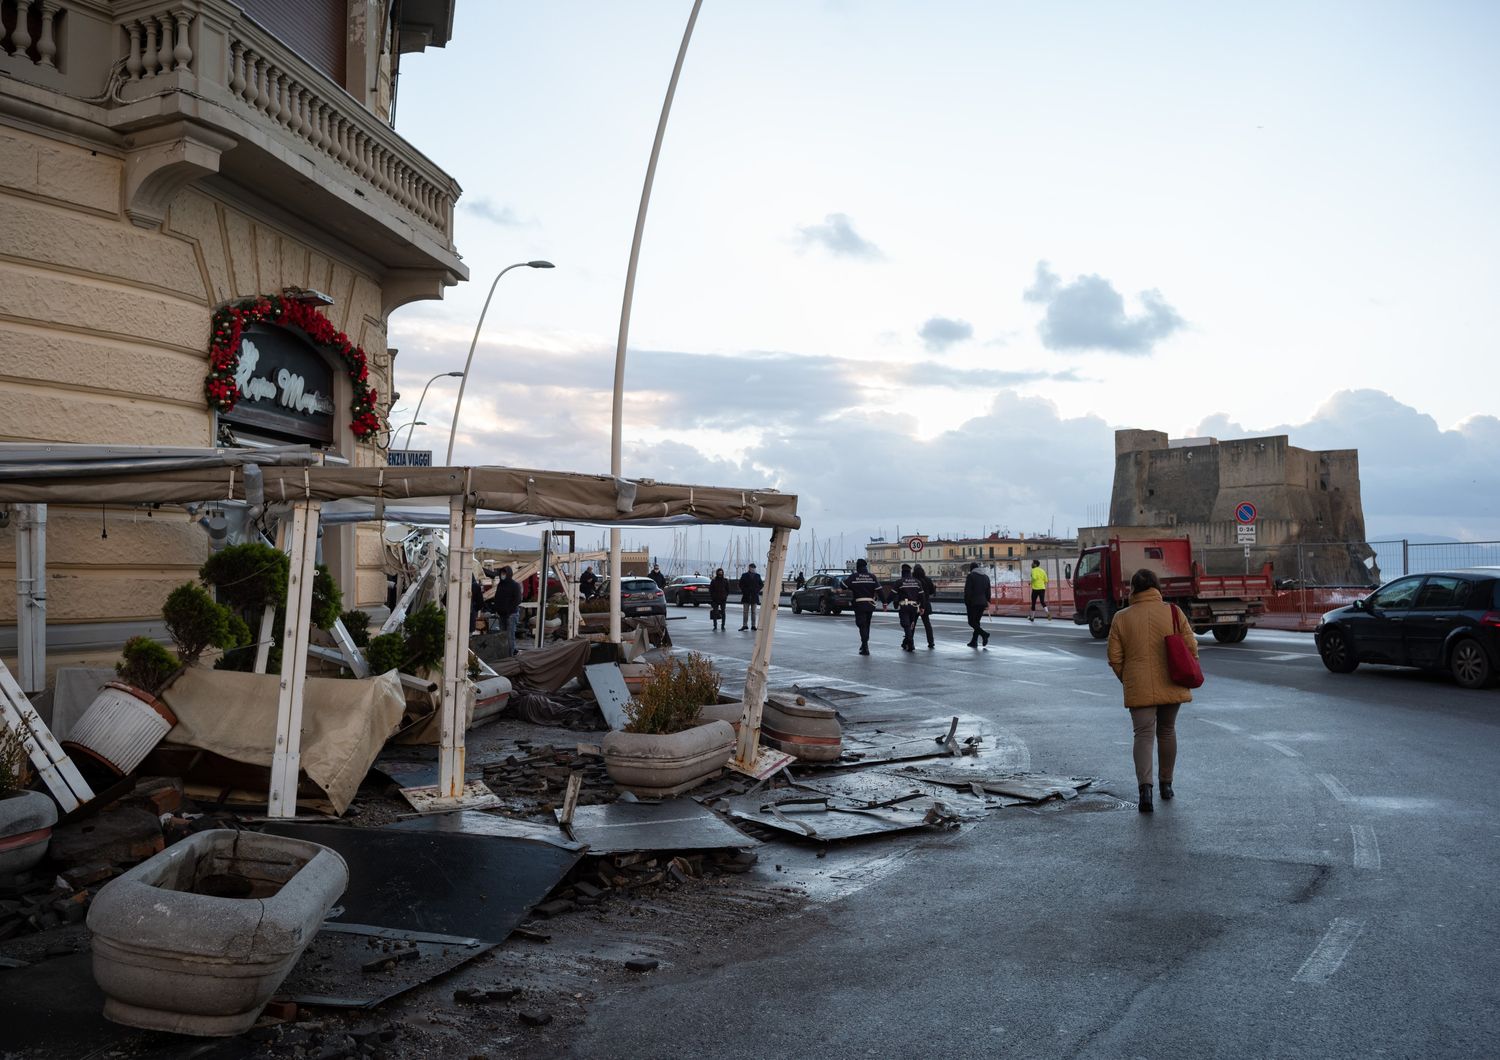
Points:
(286, 756)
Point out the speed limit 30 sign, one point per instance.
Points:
(915, 544)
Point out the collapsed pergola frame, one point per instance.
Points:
(91, 475)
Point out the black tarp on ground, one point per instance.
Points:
(442, 883)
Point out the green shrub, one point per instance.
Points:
(196, 623)
(424, 631)
(248, 577)
(673, 696)
(146, 665)
(327, 599)
(358, 625)
(386, 652)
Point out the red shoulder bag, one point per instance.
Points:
(1182, 664)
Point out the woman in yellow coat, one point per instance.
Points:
(1138, 656)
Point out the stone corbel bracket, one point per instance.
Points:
(162, 161)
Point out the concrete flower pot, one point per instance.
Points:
(812, 733)
(196, 939)
(657, 764)
(121, 727)
(26, 820)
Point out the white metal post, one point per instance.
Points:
(31, 596)
(748, 745)
(456, 649)
(617, 410)
(286, 758)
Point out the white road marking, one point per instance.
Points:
(1330, 952)
(1224, 725)
(1366, 847)
(1283, 748)
(1337, 790)
(1085, 692)
(1288, 656)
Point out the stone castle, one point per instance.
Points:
(1309, 523)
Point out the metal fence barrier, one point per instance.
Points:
(1310, 578)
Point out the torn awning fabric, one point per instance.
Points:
(544, 495)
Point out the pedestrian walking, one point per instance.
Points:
(1138, 656)
(588, 583)
(801, 580)
(1038, 591)
(909, 598)
(750, 586)
(864, 588)
(658, 577)
(718, 599)
(929, 590)
(507, 604)
(976, 603)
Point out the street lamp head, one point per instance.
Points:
(541, 265)
(454, 375)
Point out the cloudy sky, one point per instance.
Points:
(915, 262)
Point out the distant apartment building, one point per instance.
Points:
(1002, 556)
(1244, 503)
(170, 170)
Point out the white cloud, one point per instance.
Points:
(1089, 314)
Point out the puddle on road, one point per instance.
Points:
(1086, 802)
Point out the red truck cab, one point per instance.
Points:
(1227, 604)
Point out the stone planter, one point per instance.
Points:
(661, 765)
(26, 820)
(196, 939)
(811, 733)
(121, 727)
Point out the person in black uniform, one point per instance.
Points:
(909, 601)
(864, 587)
(929, 590)
(976, 602)
(751, 584)
(588, 582)
(718, 599)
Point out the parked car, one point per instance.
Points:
(1445, 620)
(827, 594)
(638, 596)
(687, 590)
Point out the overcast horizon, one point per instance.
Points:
(916, 263)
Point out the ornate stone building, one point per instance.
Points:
(164, 165)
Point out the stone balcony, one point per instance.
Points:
(193, 90)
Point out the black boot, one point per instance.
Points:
(1166, 790)
(974, 642)
(1145, 803)
(986, 638)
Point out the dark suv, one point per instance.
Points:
(1446, 620)
(827, 594)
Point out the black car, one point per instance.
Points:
(1446, 620)
(827, 594)
(688, 589)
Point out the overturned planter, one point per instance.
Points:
(26, 820)
(664, 764)
(812, 733)
(121, 727)
(196, 939)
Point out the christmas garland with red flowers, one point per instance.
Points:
(224, 354)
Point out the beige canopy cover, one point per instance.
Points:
(542, 494)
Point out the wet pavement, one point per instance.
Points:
(1320, 887)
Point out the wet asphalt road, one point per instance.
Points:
(1323, 886)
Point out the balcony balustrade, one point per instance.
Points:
(193, 88)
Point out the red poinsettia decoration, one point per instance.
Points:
(224, 354)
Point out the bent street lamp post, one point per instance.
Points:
(417, 416)
(469, 361)
(635, 257)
